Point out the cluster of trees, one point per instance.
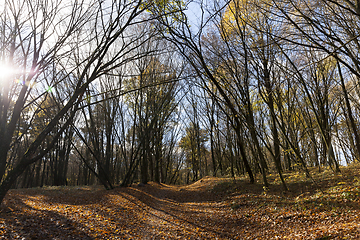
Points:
(284, 75)
(116, 92)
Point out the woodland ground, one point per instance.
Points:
(212, 208)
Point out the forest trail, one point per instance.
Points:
(211, 208)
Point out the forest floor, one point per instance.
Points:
(327, 207)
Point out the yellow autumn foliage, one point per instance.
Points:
(240, 13)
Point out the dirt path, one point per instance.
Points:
(180, 212)
(155, 211)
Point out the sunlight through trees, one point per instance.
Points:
(122, 92)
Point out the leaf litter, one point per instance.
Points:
(211, 208)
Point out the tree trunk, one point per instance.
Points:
(244, 157)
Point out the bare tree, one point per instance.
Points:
(51, 33)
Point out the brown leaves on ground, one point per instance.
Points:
(211, 208)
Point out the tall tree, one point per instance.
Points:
(53, 32)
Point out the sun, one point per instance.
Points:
(6, 72)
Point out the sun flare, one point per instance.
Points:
(6, 71)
